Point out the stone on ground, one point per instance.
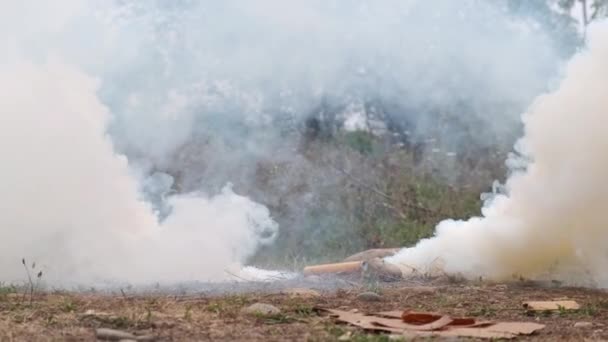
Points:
(261, 309)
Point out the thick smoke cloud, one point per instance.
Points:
(87, 84)
(71, 204)
(550, 220)
(204, 90)
(231, 69)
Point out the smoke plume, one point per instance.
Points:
(72, 205)
(99, 97)
(551, 216)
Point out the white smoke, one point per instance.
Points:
(155, 72)
(553, 214)
(176, 69)
(72, 205)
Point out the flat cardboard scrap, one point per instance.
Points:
(430, 324)
(552, 305)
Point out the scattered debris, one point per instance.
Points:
(372, 254)
(301, 293)
(552, 305)
(583, 325)
(104, 334)
(430, 325)
(261, 309)
(339, 268)
(99, 318)
(369, 297)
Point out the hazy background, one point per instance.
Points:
(356, 124)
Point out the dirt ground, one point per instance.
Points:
(195, 317)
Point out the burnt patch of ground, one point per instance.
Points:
(62, 316)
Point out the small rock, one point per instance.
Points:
(583, 324)
(113, 335)
(94, 314)
(501, 287)
(369, 297)
(302, 293)
(261, 309)
(346, 336)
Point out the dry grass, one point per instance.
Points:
(74, 317)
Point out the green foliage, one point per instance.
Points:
(304, 310)
(275, 319)
(188, 313)
(371, 338)
(373, 205)
(6, 290)
(360, 141)
(68, 306)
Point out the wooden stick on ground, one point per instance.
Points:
(343, 267)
